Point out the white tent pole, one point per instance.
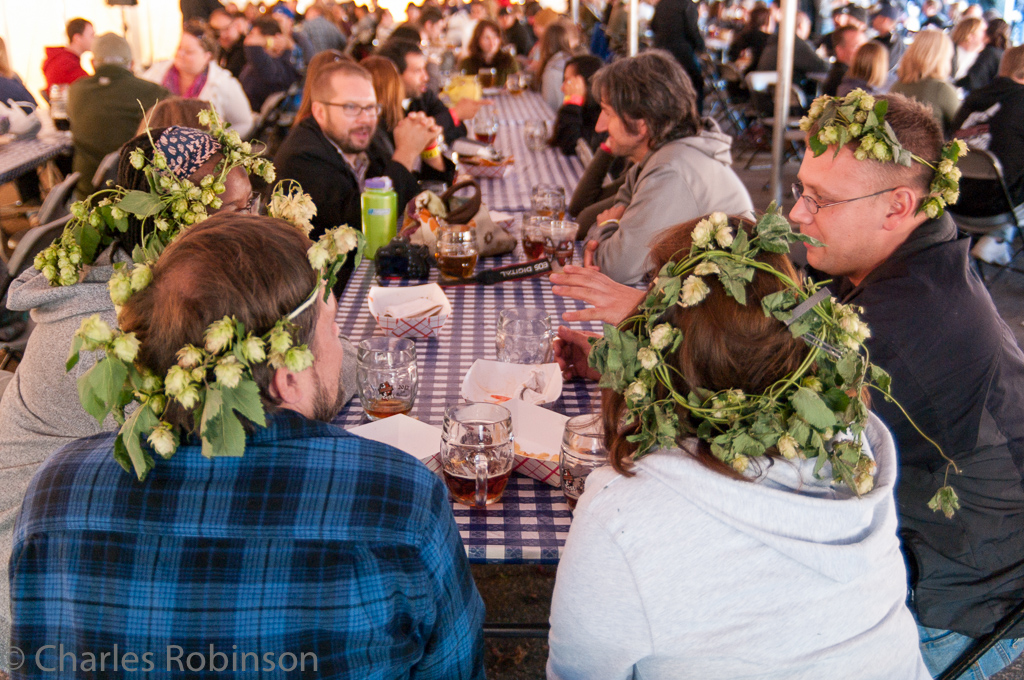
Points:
(787, 39)
(575, 4)
(634, 27)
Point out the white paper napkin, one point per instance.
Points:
(422, 306)
(404, 433)
(497, 382)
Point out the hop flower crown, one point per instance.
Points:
(817, 411)
(837, 121)
(214, 381)
(171, 205)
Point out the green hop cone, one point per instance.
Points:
(125, 347)
(219, 334)
(141, 277)
(229, 371)
(945, 501)
(95, 332)
(298, 359)
(163, 440)
(120, 287)
(253, 350)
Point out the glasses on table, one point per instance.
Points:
(387, 376)
(560, 243)
(477, 452)
(582, 452)
(353, 111)
(524, 336)
(548, 200)
(813, 206)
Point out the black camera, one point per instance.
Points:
(403, 260)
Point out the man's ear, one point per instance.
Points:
(902, 209)
(641, 128)
(285, 387)
(319, 112)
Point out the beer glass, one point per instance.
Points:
(456, 251)
(485, 126)
(477, 452)
(548, 200)
(534, 234)
(560, 243)
(582, 452)
(387, 376)
(524, 336)
(487, 77)
(536, 134)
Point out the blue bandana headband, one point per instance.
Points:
(186, 149)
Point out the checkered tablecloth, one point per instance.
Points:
(550, 166)
(20, 156)
(531, 523)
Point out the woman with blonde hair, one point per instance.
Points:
(869, 72)
(924, 75)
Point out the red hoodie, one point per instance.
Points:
(62, 67)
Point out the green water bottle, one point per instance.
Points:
(380, 213)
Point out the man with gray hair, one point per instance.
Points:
(681, 162)
(105, 109)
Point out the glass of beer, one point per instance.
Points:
(548, 200)
(487, 77)
(582, 452)
(387, 376)
(485, 126)
(515, 84)
(560, 243)
(534, 234)
(536, 134)
(477, 452)
(524, 336)
(456, 251)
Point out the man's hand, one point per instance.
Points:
(412, 135)
(609, 301)
(613, 213)
(256, 39)
(572, 348)
(589, 253)
(466, 108)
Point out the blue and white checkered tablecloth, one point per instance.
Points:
(531, 523)
(550, 166)
(20, 156)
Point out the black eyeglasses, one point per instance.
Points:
(353, 111)
(813, 206)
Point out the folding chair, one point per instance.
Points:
(54, 206)
(107, 170)
(982, 165)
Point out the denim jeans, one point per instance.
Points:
(940, 648)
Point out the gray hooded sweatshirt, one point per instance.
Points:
(683, 180)
(681, 572)
(40, 410)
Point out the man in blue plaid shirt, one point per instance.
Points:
(316, 552)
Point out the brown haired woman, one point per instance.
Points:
(194, 74)
(869, 72)
(485, 52)
(679, 565)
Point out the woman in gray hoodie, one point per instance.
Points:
(696, 561)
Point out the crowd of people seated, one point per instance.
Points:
(679, 556)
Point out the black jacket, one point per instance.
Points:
(675, 29)
(520, 38)
(983, 71)
(755, 41)
(430, 104)
(958, 371)
(308, 157)
(264, 74)
(574, 122)
(990, 118)
(233, 58)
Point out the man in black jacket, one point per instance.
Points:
(675, 29)
(334, 151)
(955, 369)
(412, 66)
(230, 29)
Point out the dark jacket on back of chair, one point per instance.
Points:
(959, 373)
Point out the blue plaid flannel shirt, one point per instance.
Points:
(318, 554)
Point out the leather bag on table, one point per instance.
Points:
(491, 240)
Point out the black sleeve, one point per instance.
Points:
(982, 71)
(588, 190)
(568, 128)
(435, 108)
(692, 28)
(739, 43)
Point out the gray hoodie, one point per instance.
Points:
(40, 410)
(680, 572)
(683, 180)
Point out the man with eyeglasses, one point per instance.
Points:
(337, 148)
(955, 369)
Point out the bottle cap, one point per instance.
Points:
(383, 183)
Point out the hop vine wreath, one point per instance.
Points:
(815, 412)
(837, 121)
(171, 205)
(214, 380)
